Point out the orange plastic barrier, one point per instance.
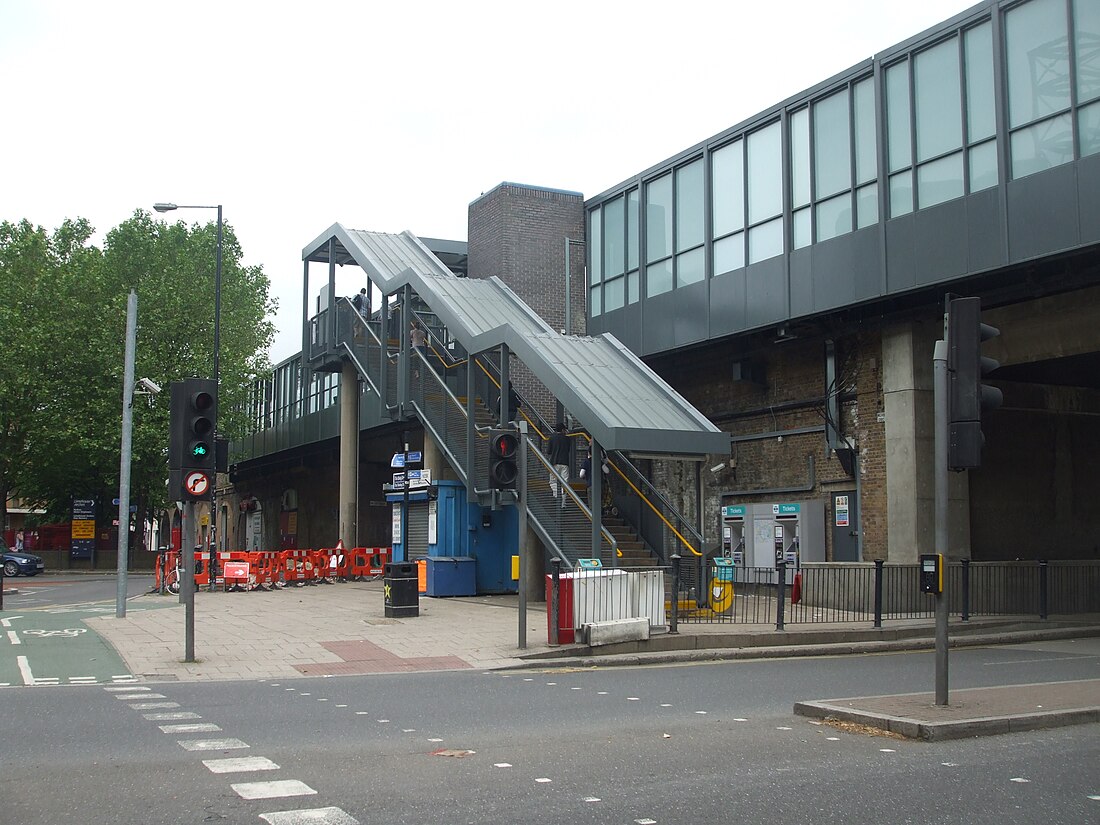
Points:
(294, 566)
(202, 568)
(422, 575)
(367, 562)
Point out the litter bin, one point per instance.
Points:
(399, 583)
(566, 632)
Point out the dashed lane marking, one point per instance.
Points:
(272, 790)
(13, 637)
(1019, 779)
(154, 705)
(212, 744)
(168, 717)
(25, 670)
(312, 816)
(592, 799)
(127, 688)
(197, 727)
(240, 764)
(126, 698)
(544, 779)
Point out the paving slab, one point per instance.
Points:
(969, 712)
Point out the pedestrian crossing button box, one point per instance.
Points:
(931, 573)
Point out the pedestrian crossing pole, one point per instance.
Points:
(521, 543)
(939, 364)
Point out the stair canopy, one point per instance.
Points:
(621, 401)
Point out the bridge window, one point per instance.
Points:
(595, 261)
(727, 169)
(613, 238)
(765, 193)
(658, 236)
(1038, 61)
(690, 261)
(981, 120)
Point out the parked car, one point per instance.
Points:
(16, 562)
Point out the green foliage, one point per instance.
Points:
(62, 335)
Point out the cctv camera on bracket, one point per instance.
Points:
(149, 386)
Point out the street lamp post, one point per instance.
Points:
(170, 207)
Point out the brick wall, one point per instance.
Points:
(518, 233)
(789, 397)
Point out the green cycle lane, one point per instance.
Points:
(53, 646)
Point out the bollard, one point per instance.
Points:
(878, 592)
(966, 590)
(555, 607)
(781, 593)
(1042, 588)
(675, 618)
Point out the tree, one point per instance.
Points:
(60, 426)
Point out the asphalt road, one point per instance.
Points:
(43, 640)
(706, 742)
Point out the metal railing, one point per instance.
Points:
(593, 595)
(861, 592)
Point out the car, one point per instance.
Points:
(16, 562)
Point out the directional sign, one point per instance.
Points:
(414, 458)
(197, 483)
(398, 460)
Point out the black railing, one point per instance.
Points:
(856, 593)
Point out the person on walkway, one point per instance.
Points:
(513, 403)
(360, 301)
(559, 456)
(418, 339)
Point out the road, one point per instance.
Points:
(44, 640)
(692, 743)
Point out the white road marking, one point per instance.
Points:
(666, 705)
(311, 816)
(212, 744)
(551, 683)
(46, 680)
(408, 730)
(435, 740)
(592, 799)
(5, 684)
(887, 750)
(13, 637)
(543, 779)
(154, 705)
(272, 790)
(701, 712)
(502, 765)
(528, 680)
(126, 698)
(125, 677)
(740, 719)
(25, 670)
(576, 688)
(127, 688)
(646, 821)
(321, 700)
(601, 693)
(168, 717)
(1095, 797)
(341, 706)
(7, 622)
(82, 679)
(240, 764)
(380, 721)
(305, 694)
(832, 738)
(632, 699)
(196, 727)
(782, 727)
(1019, 779)
(950, 764)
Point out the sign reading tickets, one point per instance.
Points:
(83, 528)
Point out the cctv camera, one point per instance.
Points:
(149, 385)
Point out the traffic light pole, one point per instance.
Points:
(187, 583)
(939, 364)
(521, 545)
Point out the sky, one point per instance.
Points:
(386, 116)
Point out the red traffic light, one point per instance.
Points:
(505, 445)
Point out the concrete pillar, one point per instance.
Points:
(434, 460)
(910, 443)
(349, 454)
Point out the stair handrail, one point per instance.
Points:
(543, 431)
(620, 457)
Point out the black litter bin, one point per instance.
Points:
(399, 582)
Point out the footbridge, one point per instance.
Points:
(481, 340)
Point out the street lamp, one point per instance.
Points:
(170, 207)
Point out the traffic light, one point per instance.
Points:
(503, 455)
(967, 396)
(191, 448)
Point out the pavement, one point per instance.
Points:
(330, 630)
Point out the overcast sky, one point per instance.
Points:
(386, 117)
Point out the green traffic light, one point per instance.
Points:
(199, 450)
